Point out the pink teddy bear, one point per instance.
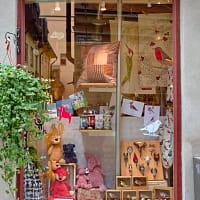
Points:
(96, 175)
(82, 180)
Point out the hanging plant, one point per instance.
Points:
(21, 98)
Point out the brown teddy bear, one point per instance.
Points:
(54, 147)
(52, 166)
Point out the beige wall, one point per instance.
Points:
(190, 70)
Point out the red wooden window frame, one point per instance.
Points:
(177, 172)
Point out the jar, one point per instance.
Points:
(91, 120)
(83, 121)
(107, 122)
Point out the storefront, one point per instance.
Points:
(138, 78)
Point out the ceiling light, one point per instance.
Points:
(103, 6)
(57, 7)
(149, 5)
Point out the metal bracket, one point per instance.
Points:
(18, 37)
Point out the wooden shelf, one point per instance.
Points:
(97, 85)
(95, 131)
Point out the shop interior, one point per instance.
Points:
(110, 67)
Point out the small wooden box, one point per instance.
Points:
(153, 184)
(139, 182)
(129, 195)
(92, 194)
(145, 194)
(123, 182)
(163, 193)
(113, 194)
(71, 178)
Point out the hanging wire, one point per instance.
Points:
(8, 46)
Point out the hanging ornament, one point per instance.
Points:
(135, 159)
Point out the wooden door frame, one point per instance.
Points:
(177, 171)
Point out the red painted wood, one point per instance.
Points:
(177, 95)
(20, 60)
(177, 172)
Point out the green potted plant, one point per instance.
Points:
(21, 97)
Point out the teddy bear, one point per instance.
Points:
(60, 188)
(54, 143)
(69, 153)
(54, 147)
(52, 166)
(96, 175)
(82, 180)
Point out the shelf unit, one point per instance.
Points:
(129, 194)
(95, 131)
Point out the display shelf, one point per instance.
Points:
(139, 182)
(99, 87)
(129, 194)
(113, 194)
(92, 194)
(142, 158)
(153, 184)
(145, 194)
(95, 131)
(123, 182)
(163, 193)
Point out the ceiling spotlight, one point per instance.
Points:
(149, 5)
(57, 7)
(102, 6)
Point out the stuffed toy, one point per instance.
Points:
(64, 114)
(54, 147)
(54, 143)
(95, 172)
(52, 166)
(60, 188)
(82, 180)
(69, 153)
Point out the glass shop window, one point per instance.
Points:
(108, 52)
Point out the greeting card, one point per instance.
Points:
(151, 114)
(51, 110)
(78, 100)
(133, 108)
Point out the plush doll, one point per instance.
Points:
(60, 188)
(95, 172)
(52, 166)
(54, 143)
(69, 153)
(82, 180)
(54, 146)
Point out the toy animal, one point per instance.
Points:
(52, 166)
(69, 153)
(60, 188)
(95, 172)
(82, 180)
(64, 113)
(54, 148)
(54, 143)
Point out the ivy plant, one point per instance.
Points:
(21, 97)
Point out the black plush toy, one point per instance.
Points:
(69, 153)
